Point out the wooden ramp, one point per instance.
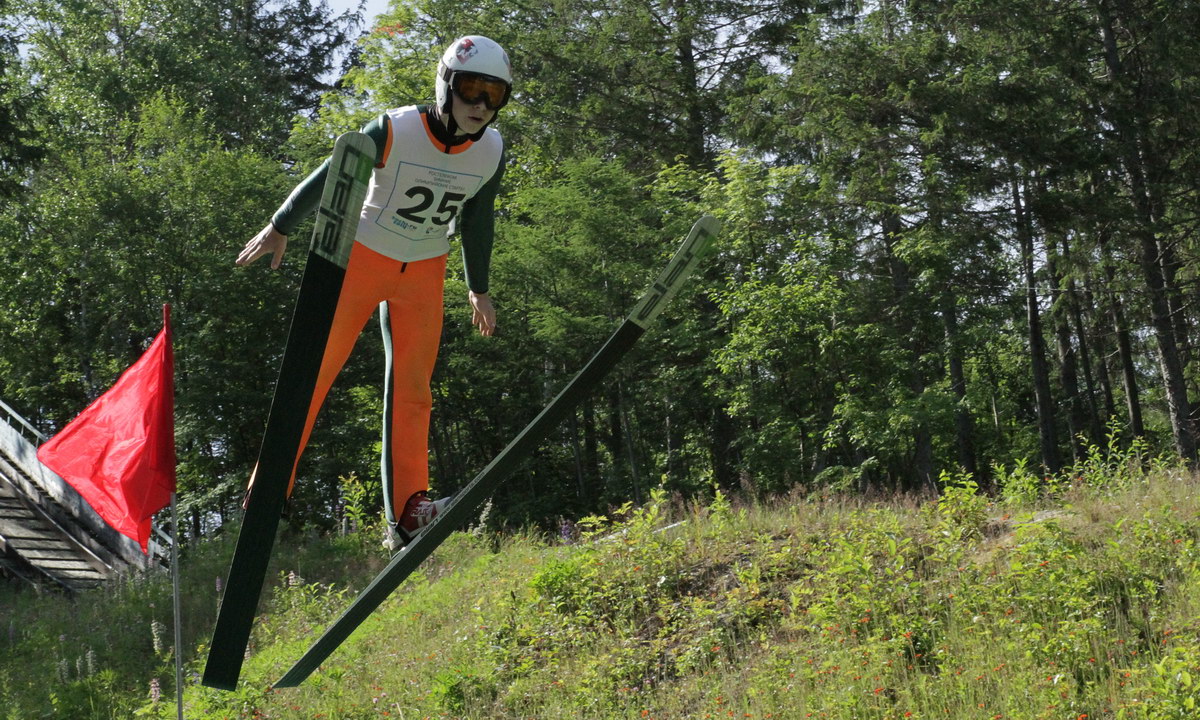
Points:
(49, 536)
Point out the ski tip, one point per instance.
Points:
(354, 136)
(362, 147)
(699, 243)
(361, 142)
(707, 228)
(294, 676)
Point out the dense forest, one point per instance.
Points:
(957, 234)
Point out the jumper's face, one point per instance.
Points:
(471, 118)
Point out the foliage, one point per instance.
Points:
(358, 500)
(19, 146)
(248, 66)
(958, 248)
(1080, 605)
(946, 227)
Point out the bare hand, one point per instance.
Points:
(268, 241)
(483, 315)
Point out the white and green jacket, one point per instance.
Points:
(426, 185)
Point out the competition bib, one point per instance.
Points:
(420, 191)
(424, 201)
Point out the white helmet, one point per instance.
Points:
(472, 55)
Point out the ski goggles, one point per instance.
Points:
(473, 88)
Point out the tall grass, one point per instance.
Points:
(1067, 597)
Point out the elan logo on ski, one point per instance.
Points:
(697, 245)
(341, 203)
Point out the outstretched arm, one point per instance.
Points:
(268, 241)
(302, 202)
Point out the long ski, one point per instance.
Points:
(698, 244)
(337, 220)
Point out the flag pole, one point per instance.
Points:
(175, 538)
(178, 614)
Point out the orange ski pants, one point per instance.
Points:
(409, 298)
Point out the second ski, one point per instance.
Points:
(697, 244)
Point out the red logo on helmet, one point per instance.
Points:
(465, 50)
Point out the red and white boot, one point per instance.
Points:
(419, 511)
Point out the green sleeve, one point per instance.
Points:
(305, 197)
(478, 229)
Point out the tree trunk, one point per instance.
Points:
(635, 474)
(1075, 306)
(1139, 157)
(693, 121)
(614, 443)
(591, 450)
(720, 449)
(1067, 361)
(905, 329)
(1170, 363)
(577, 457)
(1047, 433)
(1133, 405)
(964, 425)
(676, 472)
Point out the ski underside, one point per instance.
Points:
(337, 221)
(698, 243)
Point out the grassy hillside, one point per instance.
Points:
(1073, 598)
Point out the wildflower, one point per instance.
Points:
(156, 630)
(155, 690)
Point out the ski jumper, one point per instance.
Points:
(425, 185)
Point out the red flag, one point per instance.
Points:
(120, 452)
